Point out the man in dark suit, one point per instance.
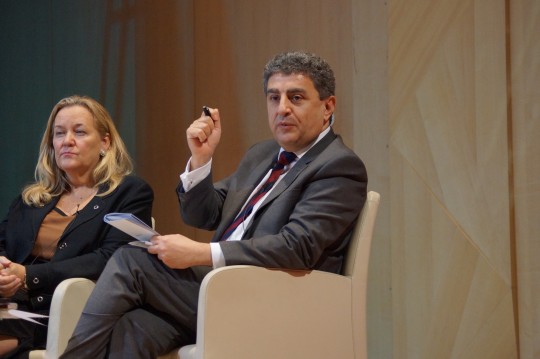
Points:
(297, 214)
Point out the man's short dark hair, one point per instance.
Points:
(311, 65)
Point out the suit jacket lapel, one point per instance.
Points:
(254, 178)
(301, 165)
(247, 186)
(94, 208)
(38, 215)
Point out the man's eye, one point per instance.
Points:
(296, 98)
(273, 98)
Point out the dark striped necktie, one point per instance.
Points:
(285, 158)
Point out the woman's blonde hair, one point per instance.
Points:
(112, 167)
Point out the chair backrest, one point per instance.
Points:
(358, 251)
(68, 301)
(356, 267)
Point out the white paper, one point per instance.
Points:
(142, 244)
(130, 224)
(10, 312)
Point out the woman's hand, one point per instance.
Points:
(11, 277)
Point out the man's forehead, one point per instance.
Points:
(293, 75)
(281, 81)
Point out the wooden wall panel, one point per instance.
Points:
(164, 100)
(449, 180)
(451, 302)
(371, 138)
(525, 123)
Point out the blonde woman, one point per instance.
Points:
(54, 230)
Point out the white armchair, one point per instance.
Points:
(67, 304)
(248, 312)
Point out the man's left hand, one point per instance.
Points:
(179, 252)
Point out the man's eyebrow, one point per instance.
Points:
(296, 90)
(289, 91)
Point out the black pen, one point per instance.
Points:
(206, 111)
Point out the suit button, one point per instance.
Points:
(40, 299)
(35, 280)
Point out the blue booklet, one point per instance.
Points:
(130, 224)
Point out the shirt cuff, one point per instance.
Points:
(218, 260)
(192, 178)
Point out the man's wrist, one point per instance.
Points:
(198, 162)
(205, 254)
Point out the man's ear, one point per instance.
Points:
(329, 107)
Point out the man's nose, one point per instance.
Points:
(284, 107)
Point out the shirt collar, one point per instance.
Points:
(303, 151)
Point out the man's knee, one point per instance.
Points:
(129, 252)
(129, 257)
(143, 333)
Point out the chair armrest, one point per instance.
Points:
(242, 311)
(68, 301)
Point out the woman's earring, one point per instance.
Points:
(102, 153)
